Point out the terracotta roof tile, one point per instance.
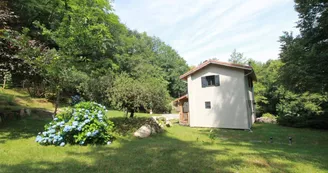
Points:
(207, 62)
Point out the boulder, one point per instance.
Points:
(28, 111)
(151, 127)
(143, 132)
(266, 120)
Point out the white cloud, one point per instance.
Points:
(202, 29)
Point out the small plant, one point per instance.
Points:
(83, 124)
(212, 135)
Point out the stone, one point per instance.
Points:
(28, 111)
(143, 132)
(266, 120)
(22, 113)
(151, 127)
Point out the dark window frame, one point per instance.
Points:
(210, 81)
(208, 105)
(250, 82)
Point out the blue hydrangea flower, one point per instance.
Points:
(55, 119)
(67, 128)
(89, 134)
(62, 144)
(52, 131)
(38, 138)
(75, 123)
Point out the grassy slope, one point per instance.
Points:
(14, 99)
(179, 149)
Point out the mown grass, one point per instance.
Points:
(178, 149)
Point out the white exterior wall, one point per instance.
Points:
(228, 101)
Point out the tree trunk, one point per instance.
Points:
(56, 102)
(132, 113)
(4, 82)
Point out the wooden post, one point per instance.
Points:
(181, 111)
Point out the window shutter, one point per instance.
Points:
(217, 80)
(204, 82)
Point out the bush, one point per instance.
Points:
(267, 118)
(83, 124)
(268, 115)
(316, 122)
(303, 110)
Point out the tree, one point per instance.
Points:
(130, 94)
(237, 58)
(305, 56)
(84, 40)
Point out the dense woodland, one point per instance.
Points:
(60, 48)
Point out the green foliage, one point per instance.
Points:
(303, 110)
(265, 89)
(237, 58)
(84, 124)
(305, 56)
(268, 115)
(80, 46)
(132, 94)
(305, 104)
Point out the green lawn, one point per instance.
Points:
(179, 149)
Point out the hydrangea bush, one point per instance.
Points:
(83, 124)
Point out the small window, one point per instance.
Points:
(210, 80)
(207, 105)
(213, 80)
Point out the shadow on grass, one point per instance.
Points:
(157, 154)
(126, 126)
(164, 153)
(25, 127)
(309, 146)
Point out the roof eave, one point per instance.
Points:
(185, 76)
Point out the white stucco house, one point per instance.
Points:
(220, 94)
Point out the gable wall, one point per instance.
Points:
(228, 102)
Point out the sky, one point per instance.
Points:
(204, 29)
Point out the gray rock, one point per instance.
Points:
(266, 120)
(151, 127)
(144, 131)
(28, 111)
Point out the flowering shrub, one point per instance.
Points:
(83, 124)
(75, 99)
